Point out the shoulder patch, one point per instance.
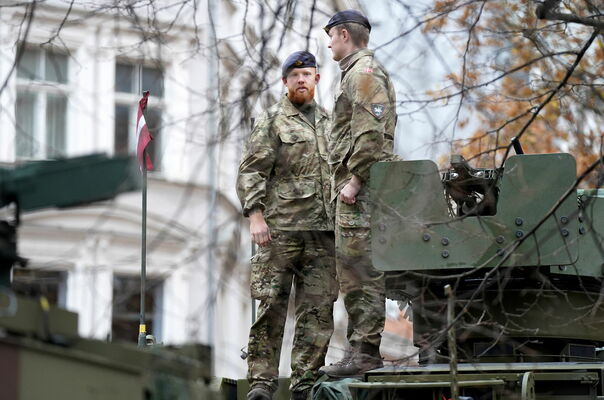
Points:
(368, 70)
(377, 109)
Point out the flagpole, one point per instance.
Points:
(142, 327)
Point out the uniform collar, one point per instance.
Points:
(290, 110)
(352, 58)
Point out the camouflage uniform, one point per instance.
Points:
(364, 119)
(284, 172)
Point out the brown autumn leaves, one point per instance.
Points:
(529, 68)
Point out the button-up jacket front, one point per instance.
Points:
(284, 169)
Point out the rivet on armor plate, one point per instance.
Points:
(445, 254)
(564, 220)
(564, 232)
(518, 221)
(500, 239)
(444, 241)
(519, 234)
(581, 230)
(426, 237)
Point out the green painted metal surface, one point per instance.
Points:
(526, 265)
(413, 230)
(42, 356)
(46, 374)
(71, 371)
(529, 313)
(68, 182)
(513, 381)
(590, 240)
(25, 316)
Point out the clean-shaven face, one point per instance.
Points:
(336, 44)
(300, 83)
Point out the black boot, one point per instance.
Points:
(301, 395)
(259, 392)
(356, 365)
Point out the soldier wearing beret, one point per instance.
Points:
(284, 188)
(364, 118)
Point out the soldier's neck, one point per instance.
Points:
(308, 110)
(347, 60)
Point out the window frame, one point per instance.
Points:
(155, 289)
(36, 277)
(42, 89)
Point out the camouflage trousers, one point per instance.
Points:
(362, 286)
(306, 259)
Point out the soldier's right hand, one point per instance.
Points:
(259, 230)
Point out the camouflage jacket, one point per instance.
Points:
(284, 169)
(364, 118)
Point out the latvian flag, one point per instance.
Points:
(144, 137)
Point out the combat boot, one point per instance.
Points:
(301, 394)
(260, 392)
(356, 365)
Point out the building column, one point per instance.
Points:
(90, 289)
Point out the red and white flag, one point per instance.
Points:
(144, 136)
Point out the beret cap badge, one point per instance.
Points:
(298, 59)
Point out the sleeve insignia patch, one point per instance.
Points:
(368, 70)
(377, 109)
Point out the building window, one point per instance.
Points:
(41, 106)
(126, 307)
(128, 91)
(36, 283)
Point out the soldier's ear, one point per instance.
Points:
(317, 78)
(344, 35)
(284, 80)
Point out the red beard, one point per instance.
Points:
(300, 98)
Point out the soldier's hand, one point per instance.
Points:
(259, 230)
(350, 190)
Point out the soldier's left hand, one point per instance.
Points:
(349, 192)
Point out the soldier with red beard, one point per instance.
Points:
(284, 188)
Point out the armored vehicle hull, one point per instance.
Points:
(520, 251)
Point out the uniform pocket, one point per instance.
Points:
(353, 235)
(293, 190)
(262, 275)
(292, 137)
(354, 220)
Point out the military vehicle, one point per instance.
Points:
(504, 270)
(41, 354)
